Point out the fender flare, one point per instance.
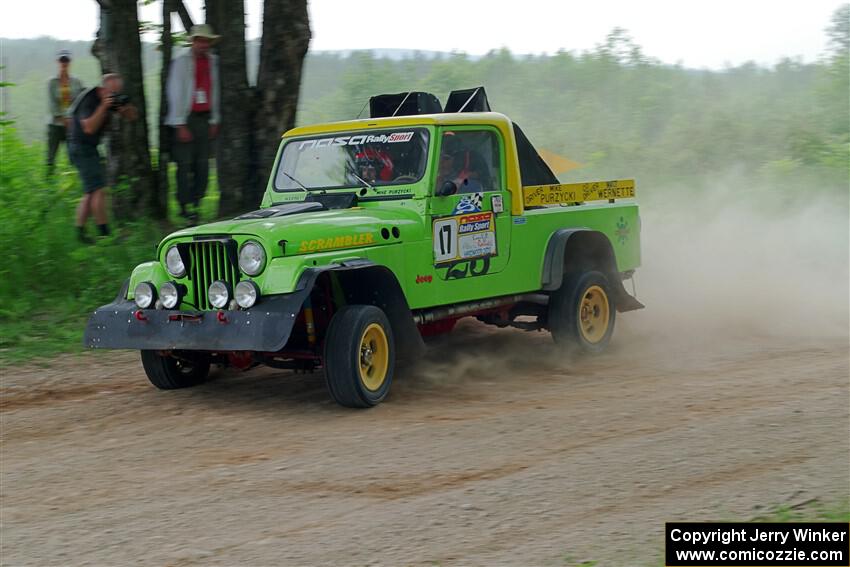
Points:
(367, 283)
(555, 258)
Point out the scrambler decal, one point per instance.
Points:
(330, 243)
(464, 237)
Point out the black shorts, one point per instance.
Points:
(86, 159)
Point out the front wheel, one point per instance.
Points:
(170, 372)
(582, 313)
(359, 356)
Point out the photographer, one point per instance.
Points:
(90, 115)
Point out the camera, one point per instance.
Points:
(119, 100)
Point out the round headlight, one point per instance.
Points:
(144, 295)
(219, 294)
(169, 294)
(252, 258)
(174, 263)
(246, 293)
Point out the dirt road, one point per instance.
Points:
(726, 397)
(478, 458)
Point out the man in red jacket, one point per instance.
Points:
(193, 111)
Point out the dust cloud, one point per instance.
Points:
(721, 270)
(720, 266)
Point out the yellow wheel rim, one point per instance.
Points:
(594, 314)
(374, 357)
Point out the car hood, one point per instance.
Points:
(309, 231)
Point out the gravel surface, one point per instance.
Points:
(496, 451)
(726, 397)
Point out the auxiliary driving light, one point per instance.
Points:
(247, 293)
(174, 263)
(219, 294)
(169, 295)
(144, 295)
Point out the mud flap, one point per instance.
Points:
(624, 301)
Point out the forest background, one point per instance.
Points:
(775, 135)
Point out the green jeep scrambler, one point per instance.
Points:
(374, 234)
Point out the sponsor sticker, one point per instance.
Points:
(565, 194)
(622, 231)
(397, 137)
(394, 138)
(497, 204)
(469, 204)
(464, 237)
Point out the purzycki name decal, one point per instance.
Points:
(806, 544)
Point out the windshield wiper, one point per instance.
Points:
(360, 179)
(295, 180)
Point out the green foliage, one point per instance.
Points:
(4, 84)
(48, 281)
(839, 31)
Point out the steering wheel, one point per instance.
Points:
(405, 179)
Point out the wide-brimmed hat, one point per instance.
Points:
(203, 30)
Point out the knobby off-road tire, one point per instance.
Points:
(582, 312)
(169, 373)
(359, 356)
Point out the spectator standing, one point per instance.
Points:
(61, 92)
(193, 112)
(90, 115)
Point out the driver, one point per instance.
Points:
(460, 165)
(367, 170)
(374, 164)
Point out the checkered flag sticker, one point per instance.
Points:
(469, 204)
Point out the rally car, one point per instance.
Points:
(373, 235)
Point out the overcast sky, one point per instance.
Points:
(697, 33)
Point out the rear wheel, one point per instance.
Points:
(171, 373)
(359, 356)
(582, 313)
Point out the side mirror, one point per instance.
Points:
(446, 189)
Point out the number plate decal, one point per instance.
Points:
(464, 237)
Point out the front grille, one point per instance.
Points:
(210, 261)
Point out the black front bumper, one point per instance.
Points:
(265, 327)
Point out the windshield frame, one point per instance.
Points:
(377, 188)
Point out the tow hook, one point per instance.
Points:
(140, 315)
(222, 318)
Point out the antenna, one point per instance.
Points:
(472, 96)
(402, 102)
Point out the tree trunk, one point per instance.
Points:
(185, 18)
(119, 49)
(286, 37)
(233, 163)
(159, 201)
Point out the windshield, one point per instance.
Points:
(377, 158)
